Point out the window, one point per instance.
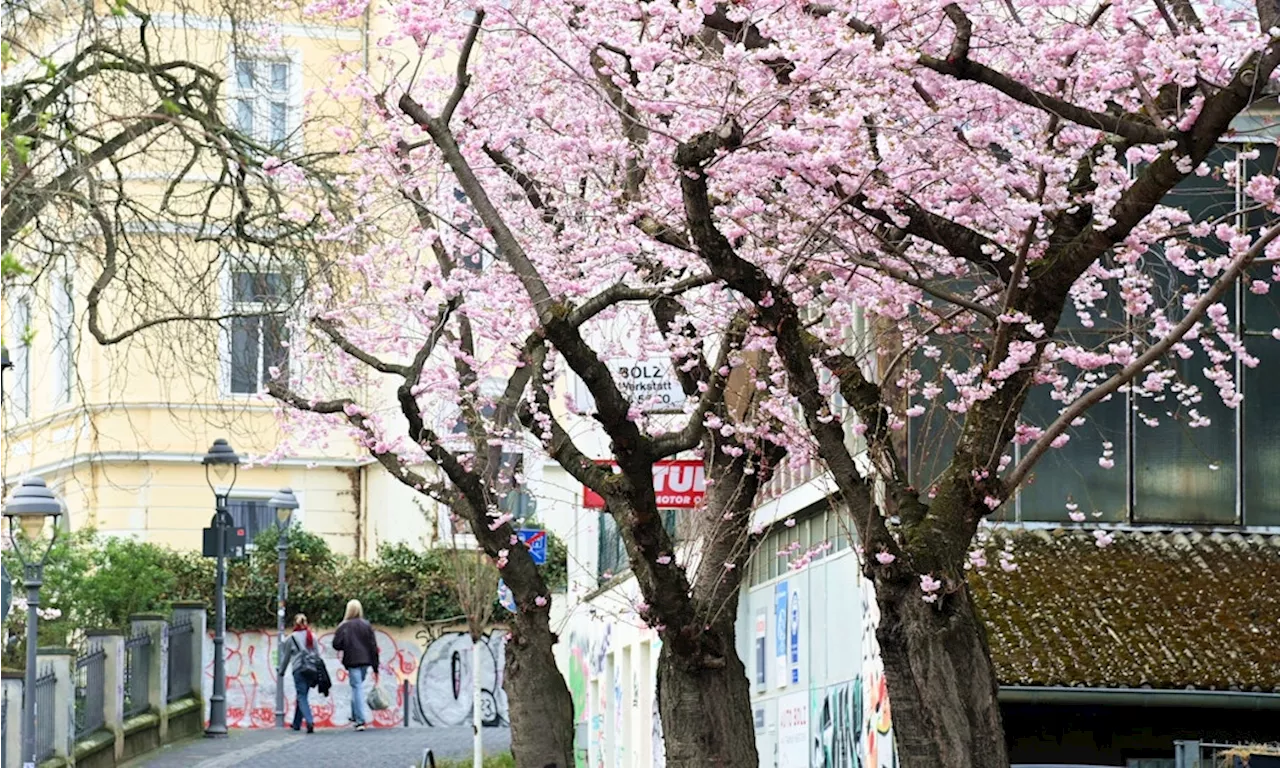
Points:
(1167, 468)
(613, 551)
(773, 554)
(20, 355)
(63, 328)
(261, 101)
(259, 343)
(253, 515)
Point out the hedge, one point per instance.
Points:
(99, 581)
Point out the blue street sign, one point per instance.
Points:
(536, 540)
(505, 598)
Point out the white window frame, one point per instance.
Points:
(225, 335)
(18, 381)
(261, 95)
(62, 338)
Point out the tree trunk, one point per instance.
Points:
(942, 686)
(704, 701)
(538, 699)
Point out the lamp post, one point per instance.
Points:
(30, 505)
(220, 463)
(284, 502)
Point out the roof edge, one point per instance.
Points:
(1141, 697)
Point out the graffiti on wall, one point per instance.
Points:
(438, 664)
(853, 727)
(579, 648)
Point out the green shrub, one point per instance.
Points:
(97, 581)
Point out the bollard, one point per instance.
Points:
(428, 759)
(404, 699)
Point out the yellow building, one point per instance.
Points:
(119, 431)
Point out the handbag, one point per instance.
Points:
(377, 700)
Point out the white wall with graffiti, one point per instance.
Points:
(819, 696)
(436, 661)
(611, 666)
(805, 634)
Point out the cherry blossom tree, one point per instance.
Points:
(732, 185)
(759, 176)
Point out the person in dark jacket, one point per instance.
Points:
(357, 646)
(296, 648)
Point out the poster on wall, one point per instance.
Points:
(793, 730)
(780, 593)
(762, 634)
(794, 634)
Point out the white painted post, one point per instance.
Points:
(477, 719)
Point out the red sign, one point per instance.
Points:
(677, 485)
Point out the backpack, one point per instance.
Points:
(309, 664)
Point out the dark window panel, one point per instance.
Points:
(275, 335)
(1072, 473)
(1184, 474)
(244, 355)
(1262, 433)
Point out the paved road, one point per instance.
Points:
(326, 748)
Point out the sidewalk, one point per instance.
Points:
(336, 748)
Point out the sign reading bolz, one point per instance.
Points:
(650, 385)
(677, 484)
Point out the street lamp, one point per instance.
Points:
(30, 505)
(5, 364)
(220, 464)
(284, 502)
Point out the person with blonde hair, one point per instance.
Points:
(357, 646)
(301, 649)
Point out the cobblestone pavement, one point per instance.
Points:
(329, 747)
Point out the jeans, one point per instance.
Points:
(359, 709)
(303, 710)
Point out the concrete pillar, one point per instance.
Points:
(64, 699)
(156, 625)
(112, 642)
(198, 614)
(11, 728)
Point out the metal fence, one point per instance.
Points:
(179, 660)
(137, 673)
(46, 684)
(91, 680)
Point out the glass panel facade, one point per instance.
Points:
(1190, 460)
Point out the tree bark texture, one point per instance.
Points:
(706, 707)
(941, 681)
(538, 699)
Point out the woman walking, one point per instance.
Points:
(301, 649)
(357, 646)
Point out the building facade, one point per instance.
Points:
(118, 431)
